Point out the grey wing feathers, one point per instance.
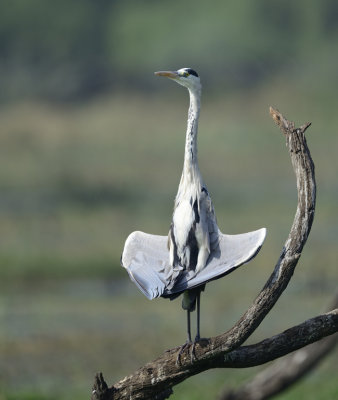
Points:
(146, 258)
(232, 252)
(214, 231)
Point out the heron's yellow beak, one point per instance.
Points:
(168, 74)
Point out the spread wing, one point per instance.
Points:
(146, 258)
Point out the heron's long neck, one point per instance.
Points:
(190, 156)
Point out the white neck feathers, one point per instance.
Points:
(190, 155)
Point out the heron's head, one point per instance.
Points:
(185, 76)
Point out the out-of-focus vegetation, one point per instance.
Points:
(68, 50)
(91, 148)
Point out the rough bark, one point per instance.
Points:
(156, 379)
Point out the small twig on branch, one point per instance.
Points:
(286, 371)
(100, 388)
(155, 379)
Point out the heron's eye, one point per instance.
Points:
(185, 74)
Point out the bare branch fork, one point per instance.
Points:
(155, 379)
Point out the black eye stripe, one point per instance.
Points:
(191, 72)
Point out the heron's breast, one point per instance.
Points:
(183, 220)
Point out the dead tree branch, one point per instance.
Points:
(284, 343)
(286, 371)
(156, 379)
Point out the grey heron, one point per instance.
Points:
(195, 250)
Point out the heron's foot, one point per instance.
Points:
(181, 351)
(192, 350)
(201, 342)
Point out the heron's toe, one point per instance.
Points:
(181, 351)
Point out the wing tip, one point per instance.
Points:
(257, 247)
(138, 282)
(261, 238)
(264, 232)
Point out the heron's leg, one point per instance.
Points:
(188, 327)
(188, 342)
(198, 336)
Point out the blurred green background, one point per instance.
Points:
(91, 149)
